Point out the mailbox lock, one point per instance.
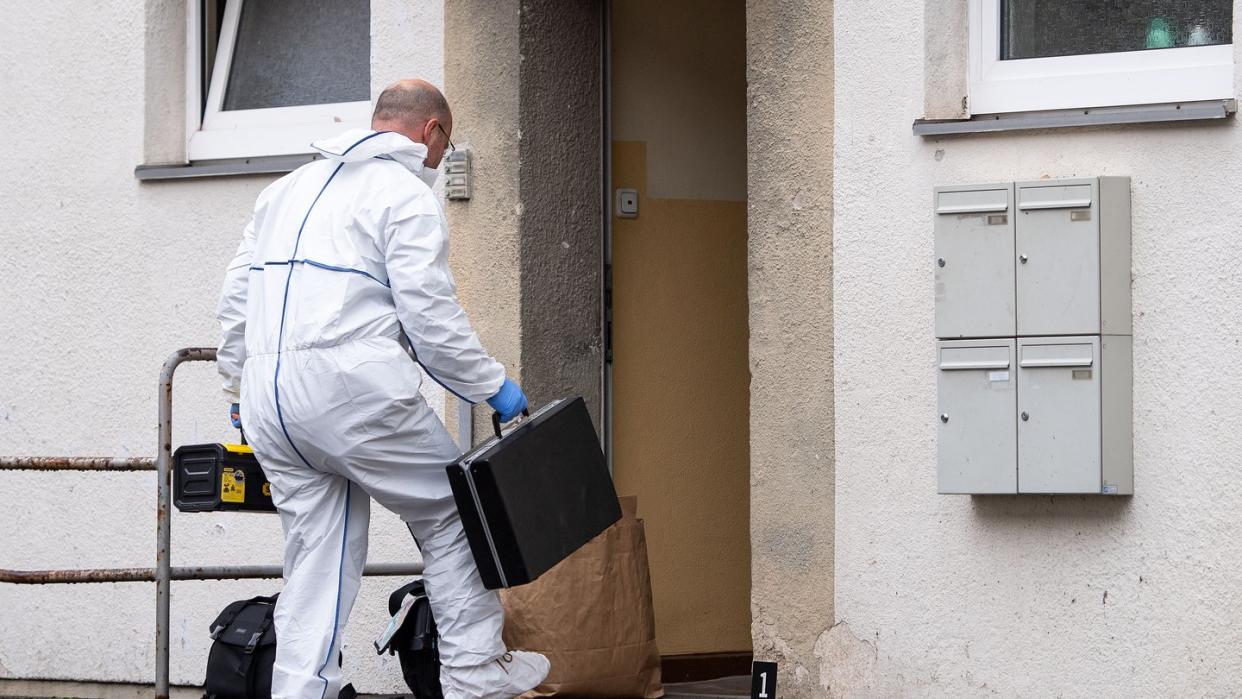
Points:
(944, 417)
(1025, 416)
(940, 261)
(1022, 259)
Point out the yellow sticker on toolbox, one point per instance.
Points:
(233, 485)
(239, 448)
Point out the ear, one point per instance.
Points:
(429, 129)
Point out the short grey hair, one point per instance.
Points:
(410, 102)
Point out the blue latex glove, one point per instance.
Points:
(509, 401)
(235, 415)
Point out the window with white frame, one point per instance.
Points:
(267, 77)
(1031, 55)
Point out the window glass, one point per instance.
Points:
(1043, 28)
(298, 52)
(211, 18)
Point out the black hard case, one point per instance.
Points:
(219, 477)
(534, 496)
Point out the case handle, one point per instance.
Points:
(496, 422)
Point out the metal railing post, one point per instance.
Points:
(465, 425)
(163, 511)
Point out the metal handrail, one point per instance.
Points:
(114, 575)
(163, 573)
(76, 463)
(163, 511)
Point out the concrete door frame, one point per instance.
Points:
(524, 81)
(527, 267)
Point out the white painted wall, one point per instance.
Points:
(1035, 596)
(101, 277)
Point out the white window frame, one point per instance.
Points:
(250, 132)
(1154, 76)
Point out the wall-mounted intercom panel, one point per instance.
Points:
(458, 170)
(1034, 353)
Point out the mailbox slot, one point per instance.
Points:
(974, 261)
(977, 443)
(1059, 415)
(1058, 260)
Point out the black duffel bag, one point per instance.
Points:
(415, 641)
(243, 651)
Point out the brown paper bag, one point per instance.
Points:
(592, 616)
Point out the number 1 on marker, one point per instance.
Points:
(763, 680)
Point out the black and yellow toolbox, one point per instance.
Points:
(219, 477)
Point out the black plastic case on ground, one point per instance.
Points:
(219, 477)
(536, 495)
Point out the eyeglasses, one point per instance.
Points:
(452, 148)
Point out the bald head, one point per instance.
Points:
(416, 109)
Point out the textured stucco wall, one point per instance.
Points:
(523, 79)
(481, 64)
(1034, 596)
(946, 51)
(561, 191)
(104, 277)
(790, 141)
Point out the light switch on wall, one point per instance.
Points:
(627, 203)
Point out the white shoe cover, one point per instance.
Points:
(508, 676)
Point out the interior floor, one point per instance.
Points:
(723, 688)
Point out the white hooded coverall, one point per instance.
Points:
(344, 259)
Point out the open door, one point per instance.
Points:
(679, 371)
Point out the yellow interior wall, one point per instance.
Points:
(679, 85)
(681, 385)
(680, 400)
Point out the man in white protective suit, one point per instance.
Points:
(341, 284)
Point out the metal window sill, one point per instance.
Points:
(263, 165)
(1068, 118)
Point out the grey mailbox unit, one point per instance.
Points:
(974, 261)
(1034, 326)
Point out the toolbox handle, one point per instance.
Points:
(496, 422)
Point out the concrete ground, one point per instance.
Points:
(62, 689)
(726, 688)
